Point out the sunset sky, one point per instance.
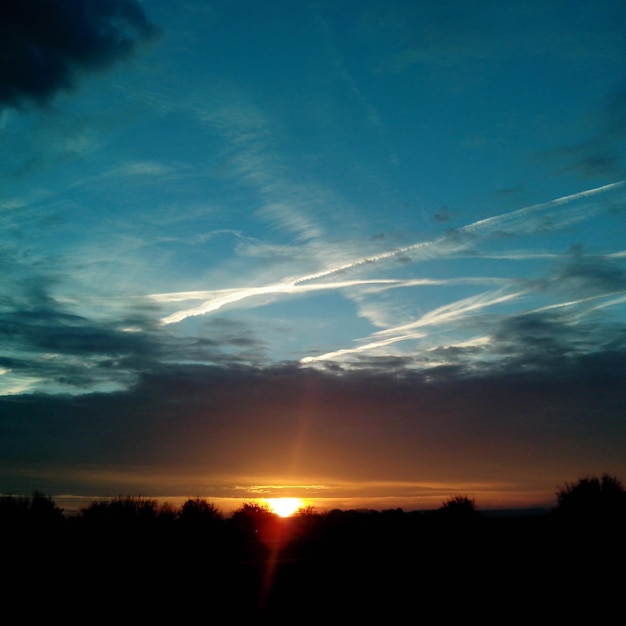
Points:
(367, 253)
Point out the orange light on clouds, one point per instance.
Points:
(284, 507)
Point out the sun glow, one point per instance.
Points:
(284, 507)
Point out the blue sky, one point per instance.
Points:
(362, 251)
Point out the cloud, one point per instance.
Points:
(590, 275)
(444, 336)
(416, 329)
(198, 423)
(560, 329)
(45, 45)
(602, 153)
(49, 347)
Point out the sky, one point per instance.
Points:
(370, 254)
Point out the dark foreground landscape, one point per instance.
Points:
(131, 559)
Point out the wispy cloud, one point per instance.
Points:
(253, 137)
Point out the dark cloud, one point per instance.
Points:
(584, 275)
(589, 275)
(46, 340)
(602, 154)
(615, 114)
(555, 346)
(539, 339)
(442, 215)
(37, 321)
(45, 45)
(590, 159)
(353, 425)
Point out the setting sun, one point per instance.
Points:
(284, 507)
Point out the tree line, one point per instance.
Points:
(157, 561)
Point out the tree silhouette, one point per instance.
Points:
(199, 514)
(43, 508)
(259, 527)
(127, 514)
(38, 509)
(591, 498)
(253, 518)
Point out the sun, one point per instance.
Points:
(284, 507)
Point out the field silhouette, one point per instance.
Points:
(132, 558)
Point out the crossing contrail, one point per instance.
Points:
(437, 247)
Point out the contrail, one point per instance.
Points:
(364, 348)
(183, 296)
(434, 318)
(451, 312)
(479, 225)
(441, 244)
(235, 295)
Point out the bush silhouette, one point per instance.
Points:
(458, 507)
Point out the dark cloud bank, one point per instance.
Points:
(188, 423)
(45, 45)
